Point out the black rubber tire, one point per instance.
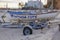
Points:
(27, 28)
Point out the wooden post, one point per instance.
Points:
(59, 27)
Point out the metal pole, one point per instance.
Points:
(40, 7)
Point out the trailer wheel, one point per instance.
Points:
(27, 31)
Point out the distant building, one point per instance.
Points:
(49, 4)
(4, 4)
(56, 4)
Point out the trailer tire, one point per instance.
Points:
(27, 31)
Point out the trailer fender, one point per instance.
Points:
(28, 26)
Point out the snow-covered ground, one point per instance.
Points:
(56, 36)
(16, 34)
